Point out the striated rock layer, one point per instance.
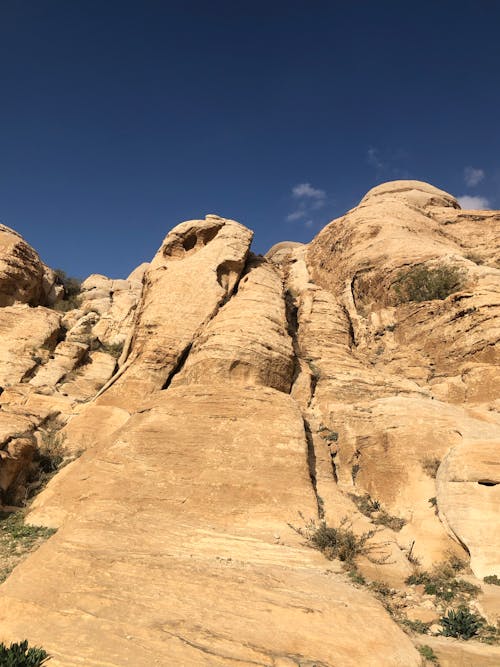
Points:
(252, 396)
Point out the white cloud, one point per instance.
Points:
(473, 176)
(373, 158)
(473, 203)
(306, 190)
(297, 215)
(307, 200)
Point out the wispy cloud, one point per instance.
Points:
(299, 214)
(387, 164)
(473, 176)
(373, 158)
(306, 190)
(307, 200)
(473, 203)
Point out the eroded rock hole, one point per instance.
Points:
(487, 482)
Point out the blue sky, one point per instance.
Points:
(120, 119)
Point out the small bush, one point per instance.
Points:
(72, 288)
(427, 653)
(442, 583)
(20, 655)
(492, 579)
(461, 624)
(341, 542)
(430, 466)
(422, 283)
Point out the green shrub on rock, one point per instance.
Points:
(20, 655)
(461, 624)
(422, 283)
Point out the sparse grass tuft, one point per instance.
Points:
(416, 626)
(427, 653)
(17, 539)
(373, 510)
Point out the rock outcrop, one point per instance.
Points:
(226, 404)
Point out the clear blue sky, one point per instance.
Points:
(119, 119)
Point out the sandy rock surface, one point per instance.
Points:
(219, 402)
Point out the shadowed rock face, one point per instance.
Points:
(23, 276)
(254, 394)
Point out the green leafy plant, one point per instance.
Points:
(21, 655)
(492, 579)
(16, 540)
(442, 582)
(461, 623)
(422, 283)
(427, 653)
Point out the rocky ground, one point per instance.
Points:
(280, 460)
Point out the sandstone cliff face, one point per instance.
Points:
(254, 394)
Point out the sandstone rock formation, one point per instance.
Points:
(224, 401)
(23, 276)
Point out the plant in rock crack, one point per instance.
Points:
(374, 511)
(341, 542)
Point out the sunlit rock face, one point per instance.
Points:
(223, 401)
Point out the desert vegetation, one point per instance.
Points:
(72, 287)
(423, 283)
(22, 655)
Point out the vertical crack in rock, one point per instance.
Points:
(179, 365)
(311, 463)
(291, 311)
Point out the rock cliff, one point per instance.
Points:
(217, 408)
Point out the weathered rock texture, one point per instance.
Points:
(222, 399)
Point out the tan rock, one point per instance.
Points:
(23, 331)
(468, 493)
(201, 511)
(66, 357)
(89, 378)
(247, 341)
(23, 276)
(455, 653)
(174, 308)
